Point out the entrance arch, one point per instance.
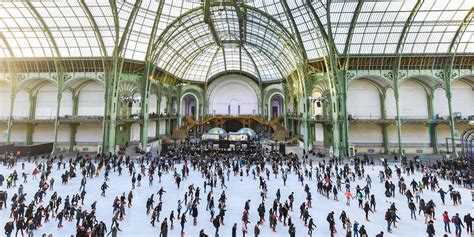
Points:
(229, 93)
(233, 125)
(276, 105)
(189, 105)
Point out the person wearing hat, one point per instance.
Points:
(430, 229)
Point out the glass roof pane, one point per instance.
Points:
(189, 51)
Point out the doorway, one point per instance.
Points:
(189, 104)
(276, 105)
(234, 107)
(233, 125)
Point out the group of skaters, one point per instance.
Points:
(331, 179)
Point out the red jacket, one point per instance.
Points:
(445, 217)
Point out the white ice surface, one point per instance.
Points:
(137, 223)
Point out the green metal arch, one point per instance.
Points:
(197, 50)
(162, 36)
(421, 82)
(195, 90)
(271, 92)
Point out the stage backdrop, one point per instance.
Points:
(233, 95)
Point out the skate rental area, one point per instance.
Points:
(237, 118)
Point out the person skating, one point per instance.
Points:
(442, 194)
(172, 220)
(161, 192)
(8, 228)
(343, 218)
(164, 228)
(103, 188)
(362, 231)
(446, 220)
(245, 218)
(355, 229)
(372, 202)
(217, 223)
(183, 220)
(59, 217)
(457, 224)
(388, 218)
(234, 230)
(114, 230)
(332, 223)
(430, 230)
(194, 213)
(468, 221)
(244, 231)
(129, 198)
(202, 234)
(310, 227)
(366, 210)
(256, 229)
(292, 230)
(306, 216)
(154, 216)
(261, 212)
(349, 196)
(412, 208)
(20, 226)
(272, 220)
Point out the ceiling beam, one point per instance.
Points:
(241, 13)
(56, 53)
(7, 45)
(97, 32)
(327, 37)
(295, 29)
(355, 17)
(208, 21)
(253, 62)
(458, 35)
(408, 22)
(212, 60)
(156, 21)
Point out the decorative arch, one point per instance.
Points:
(5, 81)
(468, 79)
(33, 84)
(128, 88)
(379, 82)
(280, 105)
(272, 92)
(429, 83)
(365, 98)
(197, 97)
(246, 81)
(77, 84)
(194, 89)
(251, 89)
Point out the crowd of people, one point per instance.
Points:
(333, 179)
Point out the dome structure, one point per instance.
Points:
(252, 134)
(218, 131)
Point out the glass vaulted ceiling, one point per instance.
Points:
(87, 29)
(251, 42)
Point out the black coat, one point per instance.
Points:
(216, 222)
(430, 229)
(292, 231)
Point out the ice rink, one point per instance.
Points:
(137, 223)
